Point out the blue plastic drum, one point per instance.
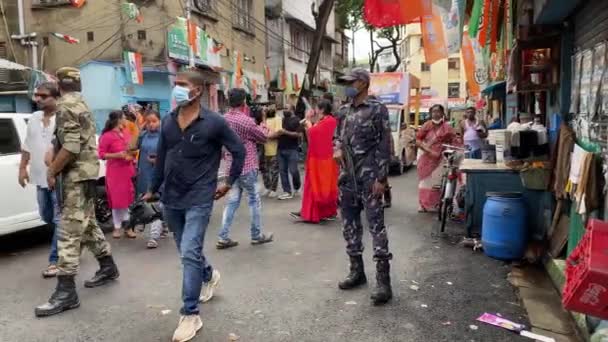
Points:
(503, 229)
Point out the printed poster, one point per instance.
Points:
(433, 35)
(452, 16)
(599, 65)
(586, 72)
(576, 83)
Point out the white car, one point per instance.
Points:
(18, 206)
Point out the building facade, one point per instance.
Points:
(443, 82)
(290, 30)
(106, 29)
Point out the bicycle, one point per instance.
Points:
(452, 155)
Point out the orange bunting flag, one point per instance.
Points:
(433, 36)
(386, 13)
(485, 22)
(192, 35)
(468, 57)
(266, 74)
(494, 25)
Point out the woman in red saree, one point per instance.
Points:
(430, 138)
(320, 197)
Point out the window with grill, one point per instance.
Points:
(141, 35)
(90, 36)
(4, 73)
(242, 19)
(326, 54)
(425, 67)
(453, 90)
(454, 63)
(300, 43)
(205, 7)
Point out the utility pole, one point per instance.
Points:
(188, 17)
(317, 43)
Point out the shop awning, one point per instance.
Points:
(494, 87)
(548, 12)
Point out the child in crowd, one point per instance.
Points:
(146, 144)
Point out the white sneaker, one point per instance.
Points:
(272, 194)
(286, 196)
(264, 192)
(208, 288)
(187, 328)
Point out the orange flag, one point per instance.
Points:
(433, 36)
(411, 10)
(192, 33)
(468, 57)
(494, 25)
(485, 22)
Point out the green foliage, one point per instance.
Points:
(350, 13)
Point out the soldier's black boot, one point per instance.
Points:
(383, 291)
(388, 198)
(64, 298)
(356, 277)
(106, 273)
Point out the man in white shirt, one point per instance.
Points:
(38, 141)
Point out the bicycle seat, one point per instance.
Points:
(448, 153)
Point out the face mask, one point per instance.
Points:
(181, 95)
(437, 122)
(351, 92)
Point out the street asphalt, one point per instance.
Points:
(284, 291)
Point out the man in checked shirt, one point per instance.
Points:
(251, 134)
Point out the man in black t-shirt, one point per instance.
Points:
(288, 143)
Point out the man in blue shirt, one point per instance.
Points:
(188, 159)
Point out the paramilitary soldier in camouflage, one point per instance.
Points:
(362, 145)
(73, 172)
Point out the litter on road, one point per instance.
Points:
(415, 287)
(351, 302)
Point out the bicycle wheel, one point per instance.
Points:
(441, 195)
(445, 213)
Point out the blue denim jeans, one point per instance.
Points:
(48, 208)
(288, 164)
(247, 182)
(189, 227)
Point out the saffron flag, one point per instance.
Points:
(468, 57)
(192, 35)
(254, 88)
(386, 13)
(66, 38)
(433, 34)
(134, 67)
(485, 22)
(494, 28)
(266, 74)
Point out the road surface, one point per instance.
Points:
(284, 291)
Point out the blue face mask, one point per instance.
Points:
(181, 95)
(351, 92)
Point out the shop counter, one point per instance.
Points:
(482, 178)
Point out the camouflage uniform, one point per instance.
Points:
(76, 134)
(363, 133)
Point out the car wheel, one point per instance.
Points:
(103, 213)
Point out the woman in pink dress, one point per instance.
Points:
(114, 148)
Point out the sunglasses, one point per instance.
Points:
(42, 96)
